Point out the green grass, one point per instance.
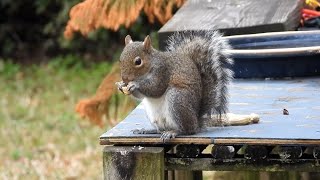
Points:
(41, 137)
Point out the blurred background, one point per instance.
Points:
(45, 71)
(58, 65)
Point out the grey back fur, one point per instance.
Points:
(209, 51)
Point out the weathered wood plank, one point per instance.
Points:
(267, 98)
(154, 140)
(203, 141)
(133, 163)
(209, 164)
(234, 17)
(252, 141)
(185, 150)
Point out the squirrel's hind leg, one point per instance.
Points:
(183, 108)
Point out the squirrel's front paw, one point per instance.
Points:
(131, 87)
(123, 87)
(126, 89)
(120, 85)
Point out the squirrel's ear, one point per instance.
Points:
(147, 43)
(128, 39)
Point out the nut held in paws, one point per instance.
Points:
(125, 90)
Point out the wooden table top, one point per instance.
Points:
(234, 17)
(268, 98)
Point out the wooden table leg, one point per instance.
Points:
(133, 162)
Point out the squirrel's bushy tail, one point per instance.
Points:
(209, 51)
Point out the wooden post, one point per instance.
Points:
(187, 151)
(133, 162)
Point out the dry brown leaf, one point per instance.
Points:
(92, 14)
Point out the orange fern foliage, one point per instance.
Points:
(96, 107)
(111, 14)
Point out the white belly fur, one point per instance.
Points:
(158, 113)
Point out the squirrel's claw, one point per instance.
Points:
(120, 89)
(126, 89)
(120, 85)
(167, 135)
(123, 87)
(131, 87)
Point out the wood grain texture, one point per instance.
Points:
(271, 165)
(133, 163)
(266, 98)
(253, 141)
(234, 17)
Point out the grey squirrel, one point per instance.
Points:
(182, 87)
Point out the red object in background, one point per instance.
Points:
(308, 13)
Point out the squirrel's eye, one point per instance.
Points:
(137, 61)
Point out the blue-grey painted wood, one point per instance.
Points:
(276, 54)
(234, 17)
(275, 40)
(268, 98)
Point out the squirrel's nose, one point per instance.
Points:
(126, 79)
